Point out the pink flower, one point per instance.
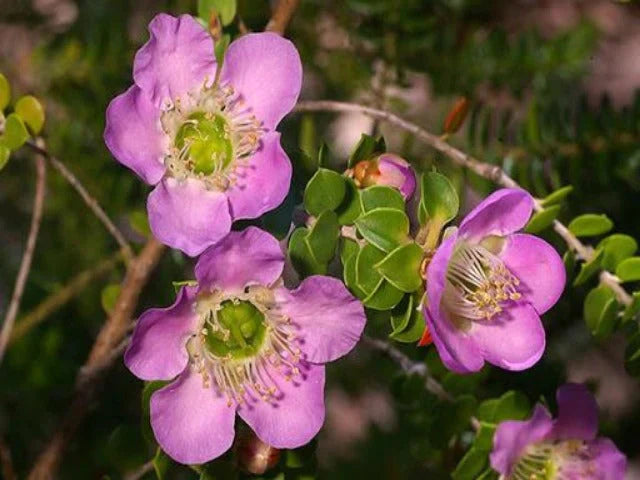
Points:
(561, 449)
(487, 286)
(210, 149)
(241, 342)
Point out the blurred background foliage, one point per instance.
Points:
(552, 86)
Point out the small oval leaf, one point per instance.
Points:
(31, 112)
(590, 224)
(629, 270)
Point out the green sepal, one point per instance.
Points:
(325, 191)
(401, 267)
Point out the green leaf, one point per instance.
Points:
(600, 311)
(226, 10)
(145, 398)
(350, 208)
(161, 464)
(512, 405)
(543, 219)
(569, 260)
(322, 239)
(633, 308)
(325, 191)
(5, 92)
(140, 223)
(484, 436)
(632, 356)
(413, 321)
(5, 153)
(301, 256)
(438, 199)
(588, 269)
(348, 248)
(590, 224)
(402, 267)
(617, 247)
(401, 314)
(367, 277)
(471, 465)
(221, 48)
(324, 155)
(385, 228)
(629, 270)
(31, 112)
(350, 276)
(15, 133)
(109, 296)
(384, 297)
(366, 148)
(379, 196)
(557, 196)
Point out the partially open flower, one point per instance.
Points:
(488, 285)
(210, 147)
(387, 169)
(240, 341)
(562, 449)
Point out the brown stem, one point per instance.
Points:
(408, 366)
(281, 16)
(109, 339)
(91, 202)
(58, 299)
(491, 172)
(27, 257)
(140, 472)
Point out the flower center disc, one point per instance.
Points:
(204, 141)
(238, 332)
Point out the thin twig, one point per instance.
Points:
(91, 202)
(140, 472)
(109, 340)
(27, 257)
(58, 299)
(281, 16)
(408, 366)
(6, 463)
(491, 172)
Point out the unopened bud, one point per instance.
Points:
(253, 455)
(387, 169)
(456, 116)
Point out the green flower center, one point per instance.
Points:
(239, 331)
(205, 141)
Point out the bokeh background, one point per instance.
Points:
(555, 101)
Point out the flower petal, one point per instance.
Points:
(133, 134)
(504, 211)
(577, 413)
(514, 339)
(329, 320)
(298, 414)
(263, 183)
(187, 216)
(177, 58)
(611, 463)
(397, 172)
(456, 349)
(243, 258)
(157, 350)
(191, 423)
(266, 71)
(512, 437)
(538, 267)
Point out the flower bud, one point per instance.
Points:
(253, 455)
(387, 169)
